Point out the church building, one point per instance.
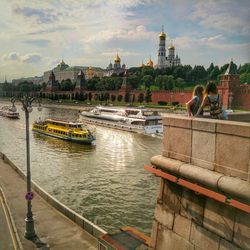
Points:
(171, 59)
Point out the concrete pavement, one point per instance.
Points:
(53, 229)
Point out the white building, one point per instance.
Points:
(163, 60)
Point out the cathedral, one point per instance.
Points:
(116, 68)
(171, 59)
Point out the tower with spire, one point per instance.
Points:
(162, 50)
(163, 60)
(80, 81)
(228, 84)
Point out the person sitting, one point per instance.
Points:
(214, 101)
(193, 105)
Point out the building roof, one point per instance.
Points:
(231, 69)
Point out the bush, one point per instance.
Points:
(175, 103)
(162, 103)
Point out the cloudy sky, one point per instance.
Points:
(35, 35)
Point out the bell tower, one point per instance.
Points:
(162, 50)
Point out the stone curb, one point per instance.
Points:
(11, 221)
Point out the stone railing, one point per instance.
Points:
(215, 155)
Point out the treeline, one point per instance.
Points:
(144, 78)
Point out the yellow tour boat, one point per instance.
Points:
(65, 130)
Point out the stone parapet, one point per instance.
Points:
(220, 146)
(214, 155)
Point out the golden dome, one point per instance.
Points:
(150, 63)
(142, 65)
(117, 58)
(162, 35)
(171, 46)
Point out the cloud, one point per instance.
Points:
(214, 42)
(40, 15)
(12, 56)
(223, 15)
(38, 42)
(137, 33)
(32, 58)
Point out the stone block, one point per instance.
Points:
(192, 206)
(180, 122)
(203, 238)
(233, 128)
(165, 141)
(179, 144)
(182, 226)
(207, 125)
(226, 245)
(164, 216)
(219, 218)
(160, 193)
(232, 155)
(153, 235)
(167, 239)
(172, 196)
(242, 230)
(203, 149)
(166, 120)
(88, 227)
(79, 220)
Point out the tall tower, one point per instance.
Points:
(162, 49)
(171, 51)
(80, 81)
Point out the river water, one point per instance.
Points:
(104, 182)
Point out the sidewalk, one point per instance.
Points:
(7, 238)
(52, 227)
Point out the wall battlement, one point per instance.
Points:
(215, 155)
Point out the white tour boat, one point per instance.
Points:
(138, 120)
(10, 112)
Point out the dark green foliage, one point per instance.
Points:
(127, 97)
(119, 98)
(141, 98)
(162, 103)
(148, 96)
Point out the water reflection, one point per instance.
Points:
(106, 182)
(56, 144)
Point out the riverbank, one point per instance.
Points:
(55, 230)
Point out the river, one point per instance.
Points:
(104, 182)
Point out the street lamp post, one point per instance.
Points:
(27, 107)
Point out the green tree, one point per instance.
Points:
(148, 96)
(147, 80)
(127, 97)
(140, 97)
(113, 98)
(119, 98)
